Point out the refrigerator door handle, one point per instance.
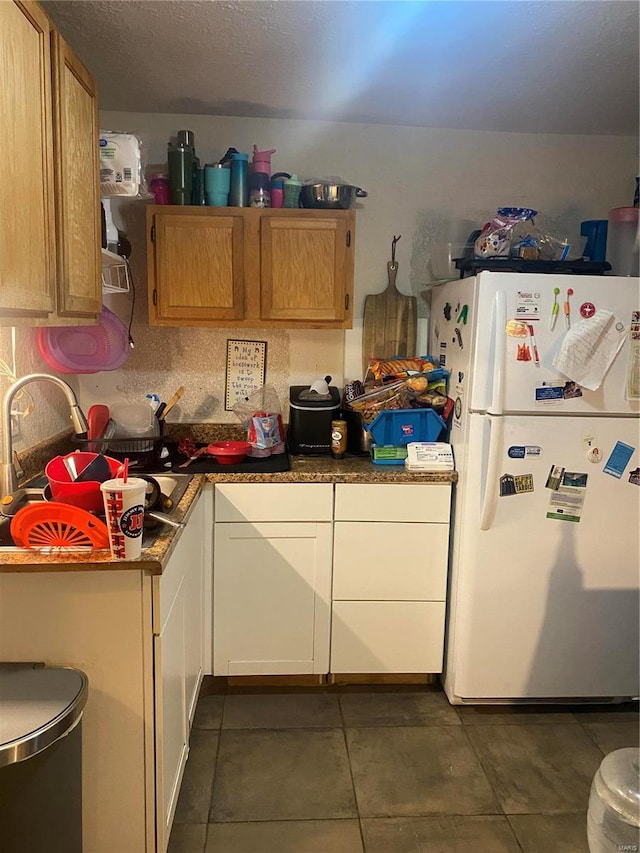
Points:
(490, 494)
(499, 351)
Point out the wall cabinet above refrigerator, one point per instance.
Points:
(50, 267)
(250, 267)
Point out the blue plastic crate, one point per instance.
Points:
(401, 426)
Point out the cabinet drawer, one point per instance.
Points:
(393, 502)
(388, 561)
(273, 502)
(387, 636)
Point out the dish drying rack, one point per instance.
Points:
(116, 277)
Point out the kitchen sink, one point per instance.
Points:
(172, 487)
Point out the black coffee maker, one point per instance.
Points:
(311, 410)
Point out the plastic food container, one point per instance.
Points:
(442, 262)
(229, 452)
(623, 241)
(613, 817)
(401, 426)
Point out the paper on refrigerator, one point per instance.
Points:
(589, 349)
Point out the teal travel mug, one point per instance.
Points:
(216, 185)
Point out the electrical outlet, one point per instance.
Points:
(16, 429)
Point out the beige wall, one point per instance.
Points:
(419, 181)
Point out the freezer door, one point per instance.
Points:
(504, 382)
(542, 606)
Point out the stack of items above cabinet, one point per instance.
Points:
(250, 267)
(50, 267)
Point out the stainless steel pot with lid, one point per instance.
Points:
(330, 196)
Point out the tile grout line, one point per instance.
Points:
(215, 768)
(353, 784)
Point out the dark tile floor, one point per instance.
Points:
(390, 770)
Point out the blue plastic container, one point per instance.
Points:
(401, 426)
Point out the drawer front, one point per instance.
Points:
(387, 561)
(393, 502)
(387, 636)
(273, 502)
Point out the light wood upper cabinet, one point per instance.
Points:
(304, 268)
(27, 259)
(76, 132)
(50, 269)
(250, 267)
(199, 268)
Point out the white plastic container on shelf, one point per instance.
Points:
(623, 241)
(443, 256)
(613, 818)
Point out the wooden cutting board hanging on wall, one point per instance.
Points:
(390, 320)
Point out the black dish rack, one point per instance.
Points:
(141, 452)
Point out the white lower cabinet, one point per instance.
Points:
(389, 578)
(178, 663)
(272, 578)
(139, 640)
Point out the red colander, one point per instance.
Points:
(57, 525)
(85, 349)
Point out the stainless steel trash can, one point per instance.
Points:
(41, 758)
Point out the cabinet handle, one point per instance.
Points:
(348, 238)
(155, 296)
(153, 233)
(346, 302)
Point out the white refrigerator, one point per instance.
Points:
(544, 570)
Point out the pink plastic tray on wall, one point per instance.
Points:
(85, 349)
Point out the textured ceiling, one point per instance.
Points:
(513, 65)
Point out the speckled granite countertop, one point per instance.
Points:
(152, 560)
(304, 469)
(351, 469)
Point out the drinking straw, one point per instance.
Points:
(125, 469)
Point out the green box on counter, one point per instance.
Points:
(397, 427)
(389, 455)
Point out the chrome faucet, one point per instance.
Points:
(8, 475)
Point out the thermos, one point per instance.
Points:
(239, 186)
(180, 158)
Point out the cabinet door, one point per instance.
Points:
(171, 718)
(306, 268)
(196, 268)
(387, 636)
(77, 185)
(271, 598)
(178, 624)
(191, 553)
(27, 245)
(390, 561)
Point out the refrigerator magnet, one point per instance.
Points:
(551, 392)
(507, 485)
(528, 304)
(528, 451)
(516, 329)
(634, 477)
(618, 459)
(594, 454)
(554, 478)
(515, 484)
(567, 501)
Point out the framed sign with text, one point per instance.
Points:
(245, 373)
